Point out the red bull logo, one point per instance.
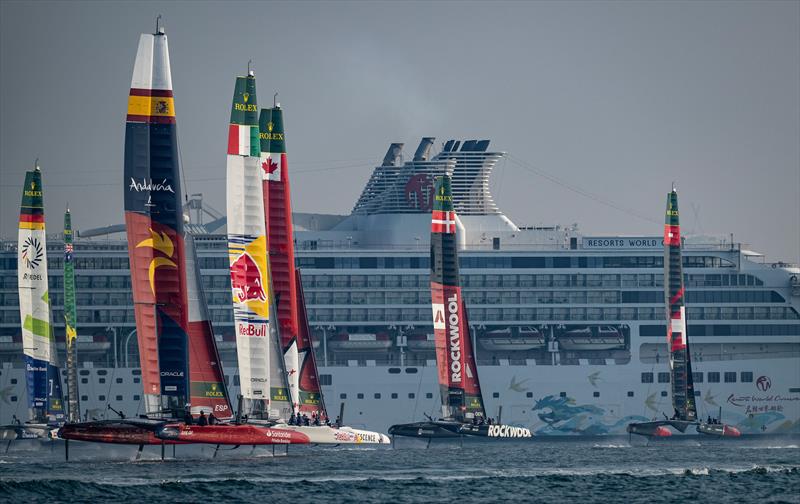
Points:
(246, 280)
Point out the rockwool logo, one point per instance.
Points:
(507, 431)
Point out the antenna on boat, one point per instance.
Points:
(275, 103)
(36, 165)
(159, 28)
(249, 72)
(673, 186)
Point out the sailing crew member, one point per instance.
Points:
(212, 420)
(202, 420)
(338, 422)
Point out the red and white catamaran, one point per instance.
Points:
(680, 362)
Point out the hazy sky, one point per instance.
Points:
(613, 99)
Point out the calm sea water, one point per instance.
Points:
(597, 470)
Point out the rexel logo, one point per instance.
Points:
(763, 383)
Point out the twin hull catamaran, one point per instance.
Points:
(182, 374)
(277, 371)
(463, 411)
(45, 402)
(680, 363)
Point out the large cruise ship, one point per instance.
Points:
(569, 330)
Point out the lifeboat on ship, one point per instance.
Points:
(592, 338)
(512, 339)
(363, 342)
(421, 342)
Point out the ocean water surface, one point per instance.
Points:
(585, 470)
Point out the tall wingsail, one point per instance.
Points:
(458, 374)
(311, 399)
(70, 317)
(38, 343)
(208, 392)
(679, 356)
(154, 221)
(293, 329)
(247, 248)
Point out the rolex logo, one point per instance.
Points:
(270, 126)
(246, 97)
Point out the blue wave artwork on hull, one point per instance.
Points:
(563, 416)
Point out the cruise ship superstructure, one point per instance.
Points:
(569, 330)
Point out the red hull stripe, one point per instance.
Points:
(150, 119)
(151, 92)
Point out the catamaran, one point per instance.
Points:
(463, 410)
(247, 245)
(680, 365)
(295, 360)
(154, 226)
(45, 403)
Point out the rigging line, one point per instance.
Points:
(578, 190)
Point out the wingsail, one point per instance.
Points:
(207, 390)
(38, 342)
(458, 374)
(278, 221)
(70, 318)
(679, 355)
(247, 248)
(154, 222)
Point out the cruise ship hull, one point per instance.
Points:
(556, 400)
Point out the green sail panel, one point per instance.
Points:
(70, 318)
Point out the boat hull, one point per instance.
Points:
(132, 432)
(230, 434)
(26, 431)
(322, 434)
(719, 430)
(445, 429)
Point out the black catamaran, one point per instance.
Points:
(463, 410)
(680, 363)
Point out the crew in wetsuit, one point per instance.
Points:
(212, 420)
(202, 420)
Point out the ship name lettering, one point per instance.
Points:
(455, 339)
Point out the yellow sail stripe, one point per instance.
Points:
(151, 106)
(31, 225)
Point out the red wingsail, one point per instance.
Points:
(455, 359)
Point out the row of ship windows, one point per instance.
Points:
(56, 282)
(713, 377)
(423, 315)
(136, 397)
(526, 280)
(500, 262)
(472, 297)
(56, 261)
(727, 330)
(477, 297)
